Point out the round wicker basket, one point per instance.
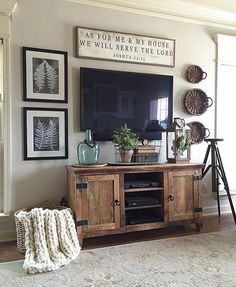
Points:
(195, 74)
(196, 102)
(198, 132)
(20, 230)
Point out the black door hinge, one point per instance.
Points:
(82, 222)
(81, 185)
(197, 177)
(197, 209)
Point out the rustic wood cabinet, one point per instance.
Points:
(100, 202)
(185, 197)
(118, 199)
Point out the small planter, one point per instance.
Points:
(126, 155)
(126, 142)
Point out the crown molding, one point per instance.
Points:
(7, 7)
(171, 9)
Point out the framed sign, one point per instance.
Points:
(45, 133)
(44, 75)
(108, 45)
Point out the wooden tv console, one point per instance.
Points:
(119, 199)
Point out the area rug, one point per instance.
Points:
(204, 260)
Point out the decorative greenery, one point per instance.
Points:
(182, 143)
(46, 135)
(45, 77)
(125, 138)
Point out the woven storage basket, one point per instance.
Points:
(196, 102)
(198, 132)
(20, 230)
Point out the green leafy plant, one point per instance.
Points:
(182, 143)
(125, 138)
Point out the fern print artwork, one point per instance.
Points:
(46, 133)
(45, 76)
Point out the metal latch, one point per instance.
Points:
(82, 222)
(197, 209)
(81, 185)
(197, 177)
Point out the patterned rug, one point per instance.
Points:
(204, 260)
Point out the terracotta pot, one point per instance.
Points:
(126, 155)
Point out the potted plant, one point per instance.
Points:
(126, 141)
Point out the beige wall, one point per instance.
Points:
(51, 25)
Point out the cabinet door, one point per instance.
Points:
(185, 193)
(101, 202)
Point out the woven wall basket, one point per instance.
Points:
(198, 132)
(20, 230)
(195, 74)
(196, 102)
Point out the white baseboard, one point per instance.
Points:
(224, 193)
(7, 235)
(213, 210)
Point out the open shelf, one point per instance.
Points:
(144, 189)
(144, 215)
(144, 197)
(143, 207)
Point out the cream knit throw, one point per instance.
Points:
(50, 239)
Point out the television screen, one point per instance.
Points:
(109, 99)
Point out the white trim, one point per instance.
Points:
(172, 9)
(7, 235)
(213, 210)
(7, 7)
(4, 217)
(7, 124)
(223, 193)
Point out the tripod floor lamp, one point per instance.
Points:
(217, 172)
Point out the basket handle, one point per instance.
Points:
(211, 102)
(204, 75)
(207, 133)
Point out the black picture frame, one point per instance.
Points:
(45, 133)
(45, 75)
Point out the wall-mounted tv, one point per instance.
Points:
(108, 99)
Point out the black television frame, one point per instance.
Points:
(107, 136)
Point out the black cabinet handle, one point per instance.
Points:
(171, 198)
(117, 203)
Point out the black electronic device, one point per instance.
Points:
(131, 220)
(140, 184)
(141, 216)
(136, 200)
(109, 99)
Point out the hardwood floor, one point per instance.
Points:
(8, 250)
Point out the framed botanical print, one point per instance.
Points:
(45, 75)
(45, 133)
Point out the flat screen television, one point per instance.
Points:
(109, 99)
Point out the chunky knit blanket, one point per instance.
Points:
(50, 239)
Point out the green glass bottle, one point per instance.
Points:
(88, 150)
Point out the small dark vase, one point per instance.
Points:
(88, 150)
